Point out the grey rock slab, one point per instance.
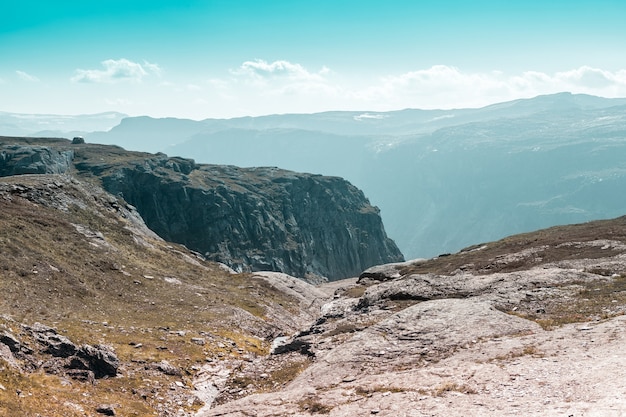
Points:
(426, 331)
(386, 272)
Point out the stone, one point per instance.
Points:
(106, 409)
(386, 272)
(7, 356)
(101, 360)
(57, 345)
(168, 369)
(83, 375)
(21, 159)
(53, 343)
(10, 340)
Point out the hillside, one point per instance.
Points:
(81, 261)
(99, 313)
(529, 325)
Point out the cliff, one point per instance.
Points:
(305, 225)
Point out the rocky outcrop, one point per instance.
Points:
(62, 356)
(18, 159)
(255, 218)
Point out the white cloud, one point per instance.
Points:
(588, 77)
(279, 78)
(117, 70)
(260, 69)
(153, 68)
(262, 87)
(443, 86)
(26, 76)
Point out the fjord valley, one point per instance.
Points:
(312, 208)
(443, 179)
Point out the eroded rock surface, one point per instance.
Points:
(539, 340)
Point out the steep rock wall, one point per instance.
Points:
(254, 218)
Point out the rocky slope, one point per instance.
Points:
(309, 226)
(530, 325)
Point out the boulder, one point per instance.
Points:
(53, 343)
(7, 338)
(106, 409)
(386, 272)
(101, 360)
(168, 369)
(57, 345)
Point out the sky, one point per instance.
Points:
(230, 58)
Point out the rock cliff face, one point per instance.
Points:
(308, 226)
(255, 218)
(19, 159)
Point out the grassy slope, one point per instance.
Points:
(113, 286)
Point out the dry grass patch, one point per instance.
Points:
(528, 350)
(451, 387)
(145, 301)
(314, 406)
(553, 244)
(590, 300)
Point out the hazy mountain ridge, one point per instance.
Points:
(443, 179)
(470, 175)
(47, 125)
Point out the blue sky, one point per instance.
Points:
(214, 58)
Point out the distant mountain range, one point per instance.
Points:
(52, 125)
(443, 179)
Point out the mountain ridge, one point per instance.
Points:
(385, 164)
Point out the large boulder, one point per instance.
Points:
(101, 360)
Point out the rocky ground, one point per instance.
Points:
(544, 339)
